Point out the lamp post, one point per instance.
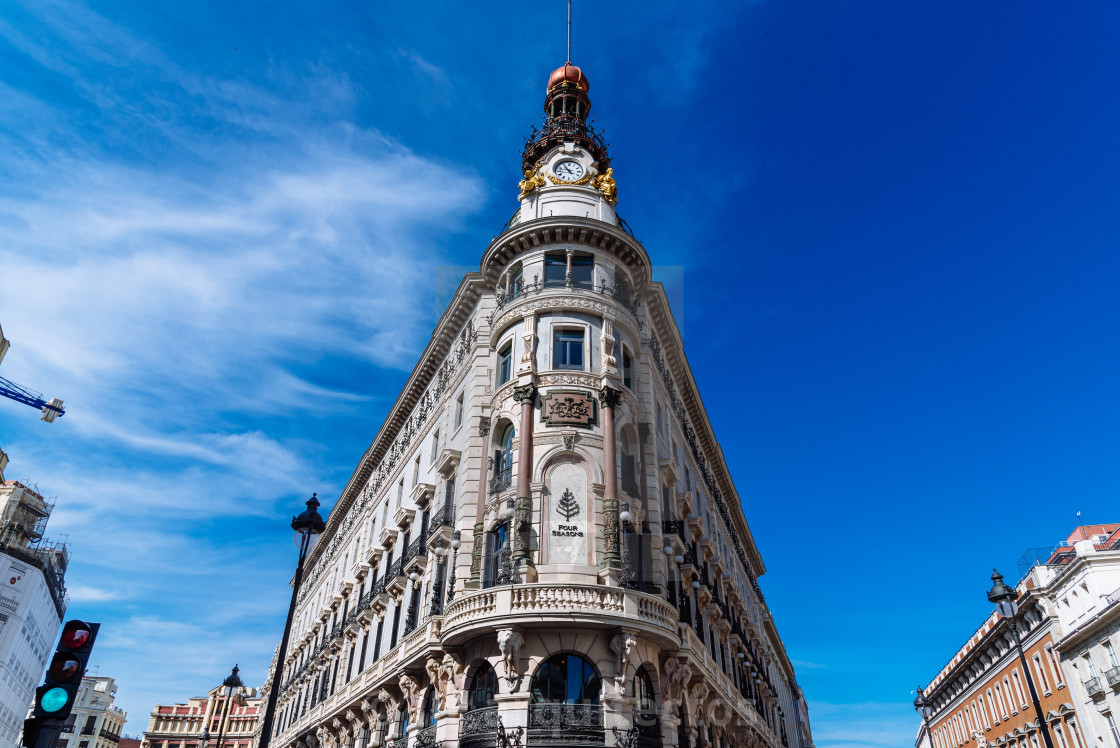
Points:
(921, 703)
(229, 687)
(1006, 601)
(308, 526)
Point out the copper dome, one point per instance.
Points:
(568, 72)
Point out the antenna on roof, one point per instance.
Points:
(569, 31)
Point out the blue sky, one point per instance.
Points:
(227, 228)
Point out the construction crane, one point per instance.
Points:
(51, 409)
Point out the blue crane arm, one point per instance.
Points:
(21, 394)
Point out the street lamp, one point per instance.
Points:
(229, 687)
(921, 703)
(1006, 601)
(307, 526)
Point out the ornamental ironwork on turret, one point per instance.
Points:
(566, 106)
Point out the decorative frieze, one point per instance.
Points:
(568, 408)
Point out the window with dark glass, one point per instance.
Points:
(428, 711)
(566, 679)
(628, 462)
(627, 369)
(567, 349)
(644, 704)
(503, 462)
(505, 363)
(515, 282)
(555, 270)
(495, 543)
(484, 686)
(582, 267)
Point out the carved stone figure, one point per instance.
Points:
(448, 677)
(623, 646)
(509, 644)
(431, 667)
(410, 689)
(978, 736)
(605, 183)
(529, 344)
(677, 675)
(606, 345)
(533, 180)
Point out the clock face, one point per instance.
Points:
(569, 171)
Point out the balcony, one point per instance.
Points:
(426, 738)
(1093, 687)
(479, 728)
(502, 480)
(110, 736)
(549, 605)
(1112, 676)
(565, 724)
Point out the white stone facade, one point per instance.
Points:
(94, 722)
(477, 575)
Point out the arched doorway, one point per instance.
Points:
(564, 703)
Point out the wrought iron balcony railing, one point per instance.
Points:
(1093, 687)
(565, 724)
(1112, 676)
(502, 479)
(426, 738)
(478, 728)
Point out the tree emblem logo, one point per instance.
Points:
(568, 506)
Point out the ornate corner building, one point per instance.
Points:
(543, 545)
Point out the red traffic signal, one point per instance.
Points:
(76, 635)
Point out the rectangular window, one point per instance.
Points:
(435, 446)
(555, 270)
(1112, 728)
(1110, 653)
(567, 349)
(505, 364)
(459, 410)
(627, 369)
(416, 471)
(1056, 667)
(1088, 659)
(1041, 671)
(582, 267)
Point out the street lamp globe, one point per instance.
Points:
(921, 703)
(308, 524)
(231, 683)
(1003, 597)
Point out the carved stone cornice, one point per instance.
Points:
(609, 397)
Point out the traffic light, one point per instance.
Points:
(55, 698)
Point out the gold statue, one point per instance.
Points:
(605, 183)
(531, 182)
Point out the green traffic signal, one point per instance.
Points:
(54, 700)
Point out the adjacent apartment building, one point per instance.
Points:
(543, 541)
(32, 600)
(181, 725)
(94, 722)
(1069, 619)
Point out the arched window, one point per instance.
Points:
(503, 461)
(483, 687)
(566, 679)
(428, 712)
(645, 704)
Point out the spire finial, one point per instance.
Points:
(569, 31)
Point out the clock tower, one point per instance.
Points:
(565, 163)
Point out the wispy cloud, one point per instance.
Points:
(170, 264)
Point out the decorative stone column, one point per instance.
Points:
(609, 399)
(526, 395)
(476, 556)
